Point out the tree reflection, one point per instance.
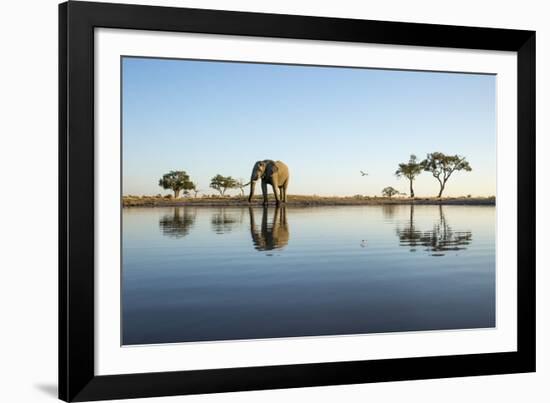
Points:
(224, 221)
(269, 235)
(409, 235)
(388, 210)
(178, 224)
(437, 241)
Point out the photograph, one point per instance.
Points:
(265, 200)
(254, 199)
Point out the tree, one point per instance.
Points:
(389, 192)
(443, 166)
(222, 183)
(195, 190)
(241, 185)
(410, 170)
(176, 181)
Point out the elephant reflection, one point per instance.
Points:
(224, 221)
(270, 235)
(440, 239)
(178, 224)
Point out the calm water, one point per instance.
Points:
(210, 273)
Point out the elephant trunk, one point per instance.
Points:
(252, 186)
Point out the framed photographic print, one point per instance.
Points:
(255, 201)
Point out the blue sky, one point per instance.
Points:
(325, 123)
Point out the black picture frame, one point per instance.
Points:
(77, 379)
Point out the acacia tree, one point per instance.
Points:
(389, 192)
(443, 166)
(176, 181)
(195, 190)
(410, 170)
(222, 183)
(241, 185)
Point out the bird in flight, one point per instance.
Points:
(363, 173)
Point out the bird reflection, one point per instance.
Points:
(439, 240)
(224, 221)
(178, 224)
(269, 235)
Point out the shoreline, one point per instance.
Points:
(304, 201)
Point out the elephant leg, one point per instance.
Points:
(285, 186)
(264, 191)
(276, 194)
(275, 186)
(282, 193)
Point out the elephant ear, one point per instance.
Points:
(255, 169)
(271, 169)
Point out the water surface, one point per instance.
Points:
(211, 273)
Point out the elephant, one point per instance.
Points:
(274, 173)
(269, 237)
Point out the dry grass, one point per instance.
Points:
(301, 200)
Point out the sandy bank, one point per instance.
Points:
(146, 201)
